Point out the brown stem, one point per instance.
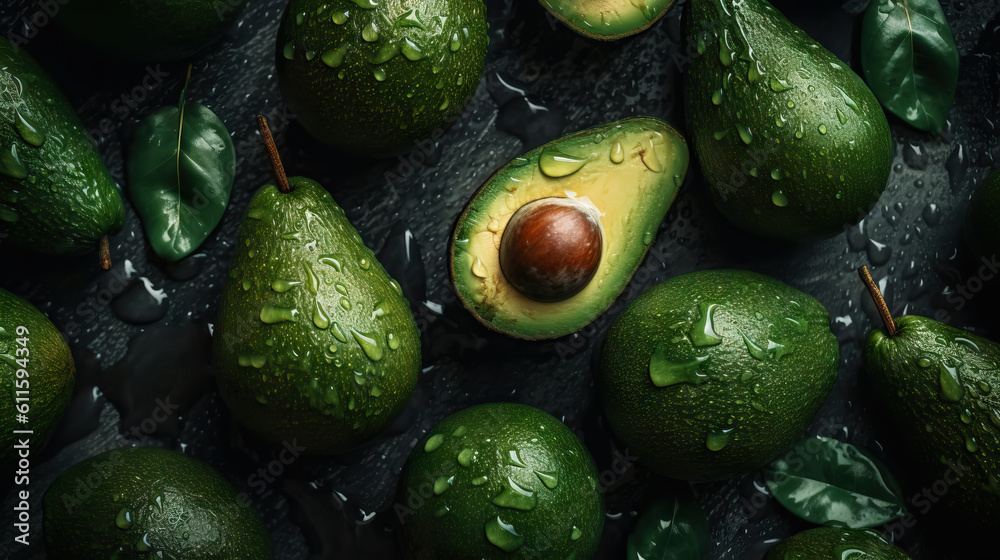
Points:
(272, 150)
(104, 254)
(883, 308)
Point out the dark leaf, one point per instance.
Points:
(671, 528)
(910, 60)
(828, 482)
(180, 170)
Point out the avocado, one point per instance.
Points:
(500, 481)
(371, 77)
(148, 30)
(552, 239)
(56, 195)
(713, 374)
(608, 20)
(792, 143)
(314, 340)
(145, 502)
(835, 543)
(982, 227)
(35, 362)
(941, 387)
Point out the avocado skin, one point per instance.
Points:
(983, 228)
(198, 516)
(914, 400)
(50, 367)
(326, 402)
(69, 201)
(501, 435)
(857, 144)
(834, 543)
(631, 18)
(667, 427)
(359, 114)
(148, 30)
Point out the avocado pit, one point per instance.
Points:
(551, 248)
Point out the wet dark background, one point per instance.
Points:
(140, 333)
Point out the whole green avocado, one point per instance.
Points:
(714, 373)
(37, 375)
(148, 30)
(373, 77)
(56, 195)
(834, 543)
(792, 143)
(144, 502)
(315, 343)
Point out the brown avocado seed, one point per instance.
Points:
(551, 248)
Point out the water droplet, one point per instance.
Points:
(745, 134)
(124, 519)
(289, 50)
(434, 442)
(282, 286)
(479, 481)
(391, 341)
(320, 317)
(650, 158)
(777, 174)
(330, 260)
(647, 238)
(465, 457)
(515, 496)
(791, 104)
(703, 333)
(455, 43)
(335, 57)
(368, 345)
(665, 371)
(514, 460)
(271, 314)
(754, 350)
(720, 134)
(365, 263)
(299, 18)
(339, 17)
(411, 51)
(984, 387)
(345, 304)
(503, 535)
(576, 533)
(549, 480)
(617, 153)
(555, 163)
(28, 129)
(971, 445)
(822, 129)
(338, 333)
(379, 74)
(8, 214)
(479, 269)
(924, 362)
(779, 85)
(716, 440)
(951, 383)
(779, 199)
(717, 97)
(966, 416)
(370, 32)
(10, 164)
(442, 484)
(443, 511)
(252, 360)
(932, 214)
(841, 116)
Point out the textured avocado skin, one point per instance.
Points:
(347, 106)
(506, 443)
(780, 99)
(178, 505)
(50, 373)
(607, 21)
(832, 543)
(149, 30)
(68, 201)
(281, 379)
(983, 228)
(766, 403)
(931, 424)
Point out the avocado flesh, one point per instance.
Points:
(314, 340)
(49, 363)
(835, 543)
(941, 386)
(713, 374)
(56, 195)
(144, 502)
(374, 77)
(633, 197)
(607, 19)
(792, 143)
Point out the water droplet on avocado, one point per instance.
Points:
(717, 97)
(779, 199)
(924, 362)
(370, 32)
(410, 18)
(345, 304)
(503, 535)
(124, 519)
(951, 383)
(335, 57)
(339, 17)
(379, 74)
(779, 85)
(984, 387)
(365, 263)
(514, 496)
(647, 238)
(745, 134)
(650, 158)
(455, 43)
(514, 460)
(252, 360)
(479, 269)
(442, 484)
(368, 345)
(391, 341)
(822, 129)
(411, 51)
(665, 372)
(465, 457)
(434, 442)
(144, 545)
(282, 286)
(966, 416)
(716, 440)
(555, 163)
(271, 314)
(754, 350)
(320, 317)
(289, 50)
(971, 445)
(617, 153)
(479, 481)
(575, 533)
(10, 164)
(841, 116)
(338, 333)
(28, 129)
(8, 214)
(703, 333)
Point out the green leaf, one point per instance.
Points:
(828, 482)
(910, 60)
(671, 528)
(180, 169)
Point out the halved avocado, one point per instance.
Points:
(623, 175)
(608, 20)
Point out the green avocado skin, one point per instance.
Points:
(49, 377)
(833, 543)
(134, 502)
(755, 407)
(315, 343)
(941, 387)
(148, 30)
(792, 143)
(983, 228)
(57, 198)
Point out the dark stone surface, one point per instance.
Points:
(341, 507)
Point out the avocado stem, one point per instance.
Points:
(272, 150)
(883, 308)
(104, 253)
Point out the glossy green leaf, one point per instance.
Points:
(910, 60)
(828, 482)
(671, 528)
(180, 170)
